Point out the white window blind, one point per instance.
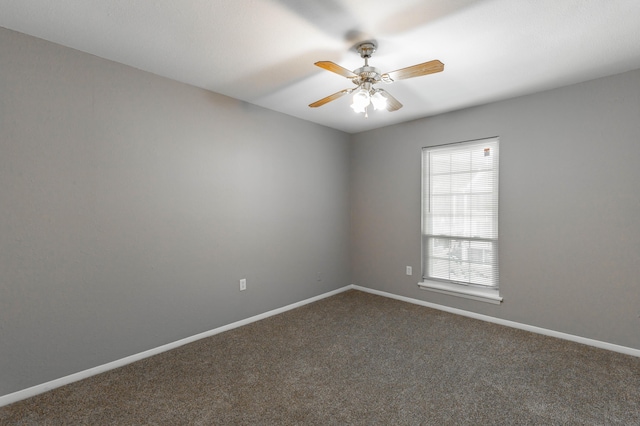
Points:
(460, 213)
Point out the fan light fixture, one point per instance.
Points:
(368, 96)
(361, 100)
(365, 77)
(379, 101)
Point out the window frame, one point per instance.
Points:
(490, 294)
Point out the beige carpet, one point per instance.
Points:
(355, 358)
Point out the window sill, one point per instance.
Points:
(473, 293)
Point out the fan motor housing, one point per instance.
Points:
(366, 74)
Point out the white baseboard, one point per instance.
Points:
(539, 330)
(38, 389)
(44, 387)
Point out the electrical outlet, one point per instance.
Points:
(243, 284)
(409, 270)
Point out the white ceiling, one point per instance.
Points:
(262, 51)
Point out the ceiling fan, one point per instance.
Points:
(366, 77)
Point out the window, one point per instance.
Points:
(460, 219)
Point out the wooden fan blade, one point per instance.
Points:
(333, 67)
(425, 68)
(392, 103)
(330, 98)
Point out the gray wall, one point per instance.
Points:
(130, 205)
(569, 207)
